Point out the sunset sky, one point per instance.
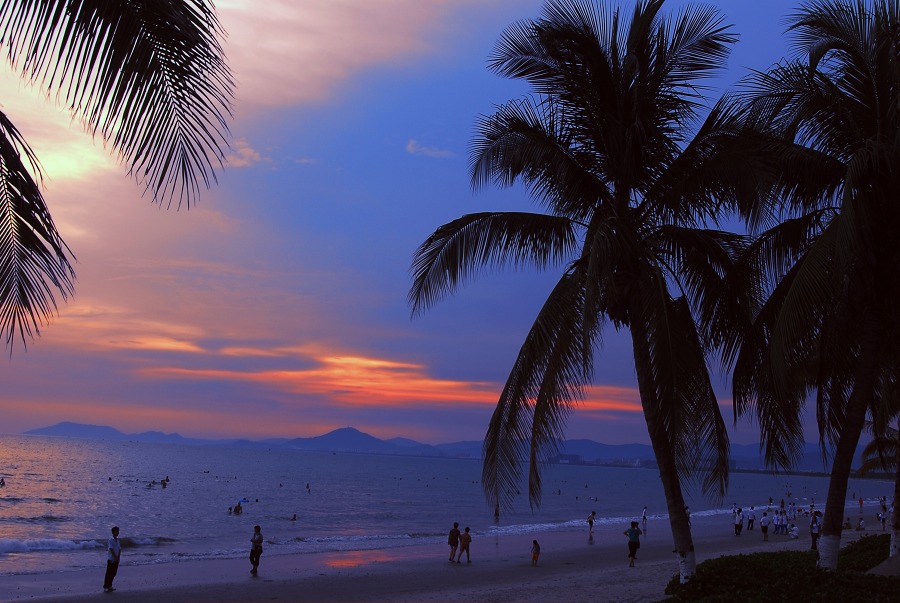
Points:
(277, 307)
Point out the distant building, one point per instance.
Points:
(568, 459)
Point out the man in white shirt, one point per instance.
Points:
(764, 525)
(114, 552)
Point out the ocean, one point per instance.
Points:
(62, 496)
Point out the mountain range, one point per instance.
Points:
(350, 440)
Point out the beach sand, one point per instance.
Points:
(571, 569)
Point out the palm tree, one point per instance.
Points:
(883, 454)
(829, 326)
(149, 78)
(604, 145)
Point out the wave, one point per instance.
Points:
(40, 519)
(8, 545)
(47, 544)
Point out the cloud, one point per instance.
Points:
(299, 52)
(350, 380)
(414, 148)
(243, 155)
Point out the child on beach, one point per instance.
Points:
(634, 542)
(535, 552)
(464, 540)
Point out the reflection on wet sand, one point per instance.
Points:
(358, 558)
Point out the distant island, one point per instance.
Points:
(351, 440)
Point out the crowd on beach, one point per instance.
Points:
(460, 542)
(784, 519)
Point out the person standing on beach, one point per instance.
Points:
(453, 540)
(738, 522)
(256, 548)
(113, 554)
(644, 518)
(535, 552)
(465, 539)
(590, 521)
(814, 530)
(764, 526)
(751, 517)
(634, 542)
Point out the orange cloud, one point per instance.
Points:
(351, 380)
(362, 381)
(606, 398)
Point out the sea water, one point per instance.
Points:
(62, 496)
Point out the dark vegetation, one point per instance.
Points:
(791, 576)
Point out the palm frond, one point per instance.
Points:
(676, 392)
(34, 266)
(148, 77)
(456, 251)
(882, 453)
(548, 376)
(522, 140)
(706, 263)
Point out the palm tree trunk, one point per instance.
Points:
(679, 520)
(854, 420)
(895, 515)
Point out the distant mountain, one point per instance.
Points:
(350, 440)
(68, 429)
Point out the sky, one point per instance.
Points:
(277, 305)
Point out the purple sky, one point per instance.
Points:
(277, 306)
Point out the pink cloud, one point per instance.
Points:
(297, 52)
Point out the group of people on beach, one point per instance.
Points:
(460, 540)
(781, 520)
(633, 533)
(459, 543)
(114, 554)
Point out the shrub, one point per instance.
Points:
(865, 553)
(790, 576)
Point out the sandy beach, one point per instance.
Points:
(570, 569)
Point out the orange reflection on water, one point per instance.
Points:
(358, 558)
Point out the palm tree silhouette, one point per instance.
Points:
(604, 144)
(829, 324)
(148, 78)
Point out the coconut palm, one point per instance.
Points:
(148, 78)
(604, 145)
(829, 327)
(883, 454)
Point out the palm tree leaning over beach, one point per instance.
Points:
(830, 324)
(149, 78)
(604, 145)
(883, 454)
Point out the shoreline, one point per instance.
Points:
(570, 569)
